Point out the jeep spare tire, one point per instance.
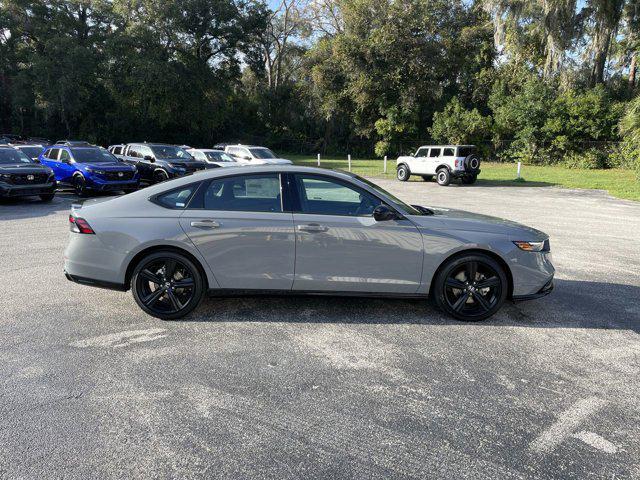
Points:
(472, 164)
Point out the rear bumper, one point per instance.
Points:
(544, 291)
(463, 173)
(96, 283)
(7, 190)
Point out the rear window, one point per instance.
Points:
(178, 198)
(466, 151)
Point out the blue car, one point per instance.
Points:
(89, 168)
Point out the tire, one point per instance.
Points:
(80, 186)
(469, 180)
(472, 164)
(403, 173)
(427, 178)
(47, 197)
(443, 177)
(155, 288)
(129, 190)
(160, 176)
(467, 300)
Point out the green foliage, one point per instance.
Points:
(457, 125)
(630, 132)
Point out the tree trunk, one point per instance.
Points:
(632, 72)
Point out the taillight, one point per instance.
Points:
(80, 225)
(457, 163)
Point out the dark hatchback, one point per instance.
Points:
(20, 176)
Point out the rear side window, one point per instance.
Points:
(178, 198)
(245, 193)
(434, 152)
(466, 151)
(448, 152)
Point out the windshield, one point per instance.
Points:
(408, 208)
(169, 151)
(466, 151)
(32, 152)
(91, 155)
(262, 153)
(219, 157)
(9, 156)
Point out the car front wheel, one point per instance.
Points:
(47, 197)
(403, 173)
(470, 287)
(80, 186)
(167, 285)
(160, 176)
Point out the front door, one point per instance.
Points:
(239, 227)
(341, 247)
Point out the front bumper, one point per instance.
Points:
(112, 186)
(543, 292)
(8, 190)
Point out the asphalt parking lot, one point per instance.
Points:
(273, 387)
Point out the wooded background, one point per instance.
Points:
(542, 81)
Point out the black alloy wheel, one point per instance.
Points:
(80, 186)
(471, 287)
(167, 285)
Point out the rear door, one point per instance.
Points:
(341, 247)
(239, 226)
(434, 159)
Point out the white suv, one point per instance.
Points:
(442, 161)
(253, 155)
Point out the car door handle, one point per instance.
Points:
(313, 227)
(205, 224)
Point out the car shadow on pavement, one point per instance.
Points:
(32, 207)
(511, 183)
(573, 304)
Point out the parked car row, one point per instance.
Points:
(28, 169)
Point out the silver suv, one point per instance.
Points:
(445, 162)
(254, 155)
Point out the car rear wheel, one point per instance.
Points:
(80, 186)
(167, 285)
(427, 178)
(470, 287)
(469, 179)
(403, 173)
(47, 197)
(443, 177)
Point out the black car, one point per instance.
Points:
(157, 162)
(20, 176)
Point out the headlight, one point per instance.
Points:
(5, 176)
(533, 246)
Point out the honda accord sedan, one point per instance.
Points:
(299, 230)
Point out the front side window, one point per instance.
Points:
(325, 196)
(178, 198)
(64, 156)
(245, 193)
(133, 152)
(422, 152)
(117, 150)
(9, 156)
(53, 153)
(434, 152)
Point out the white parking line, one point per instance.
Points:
(566, 424)
(596, 441)
(121, 339)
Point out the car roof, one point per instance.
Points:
(207, 150)
(444, 146)
(246, 146)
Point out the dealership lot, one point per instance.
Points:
(279, 387)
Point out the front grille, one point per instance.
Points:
(22, 192)
(118, 176)
(28, 178)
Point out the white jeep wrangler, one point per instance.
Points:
(443, 161)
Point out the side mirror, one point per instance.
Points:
(150, 158)
(383, 213)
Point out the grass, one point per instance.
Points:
(618, 182)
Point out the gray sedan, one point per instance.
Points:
(299, 230)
